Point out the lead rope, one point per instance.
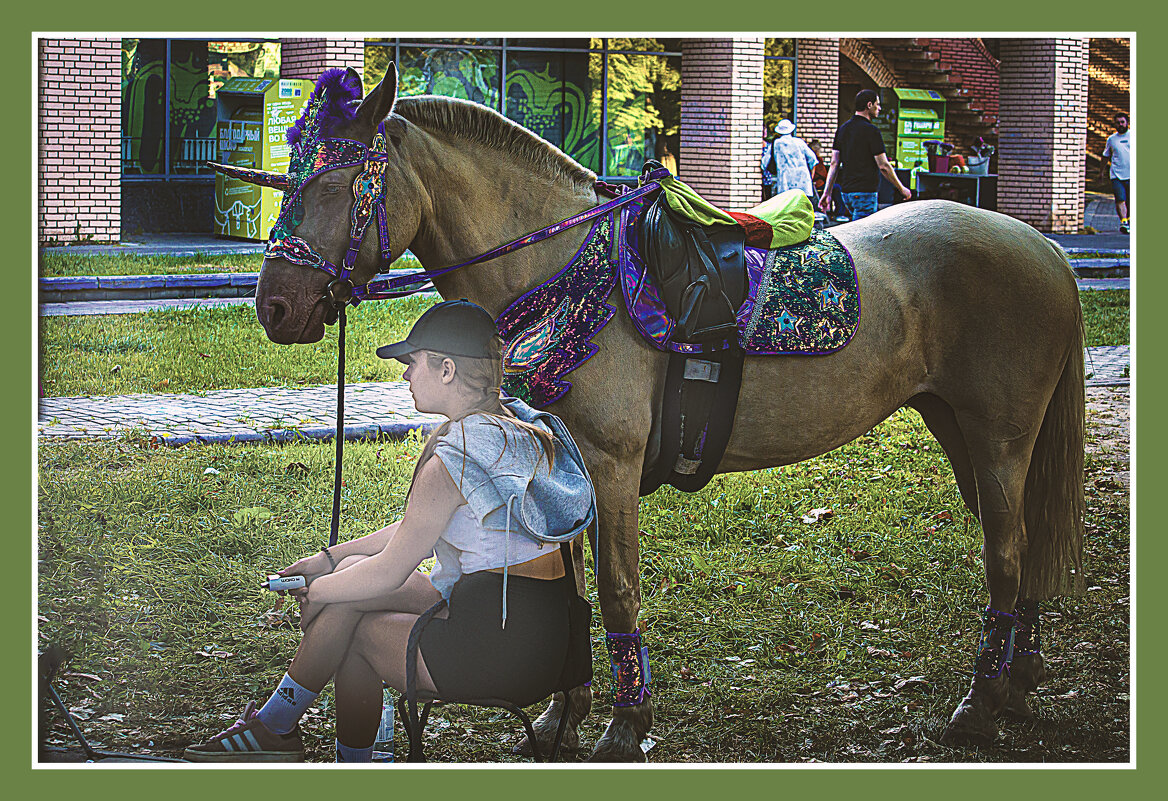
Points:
(336, 521)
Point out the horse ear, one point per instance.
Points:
(378, 104)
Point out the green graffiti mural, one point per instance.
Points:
(557, 110)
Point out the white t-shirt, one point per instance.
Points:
(1119, 149)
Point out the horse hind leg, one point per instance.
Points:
(942, 423)
(999, 467)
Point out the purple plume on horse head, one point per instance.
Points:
(339, 88)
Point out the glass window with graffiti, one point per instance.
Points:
(557, 88)
(558, 96)
(168, 99)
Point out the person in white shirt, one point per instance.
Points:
(788, 163)
(1118, 152)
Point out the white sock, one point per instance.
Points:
(286, 706)
(347, 754)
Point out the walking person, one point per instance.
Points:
(1118, 152)
(788, 163)
(489, 481)
(858, 150)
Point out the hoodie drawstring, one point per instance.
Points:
(507, 557)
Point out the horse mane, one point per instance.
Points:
(475, 122)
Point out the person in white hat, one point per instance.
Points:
(788, 163)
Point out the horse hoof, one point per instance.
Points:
(971, 724)
(619, 744)
(1016, 707)
(1027, 673)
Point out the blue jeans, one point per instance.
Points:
(1121, 188)
(860, 204)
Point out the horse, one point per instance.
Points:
(969, 317)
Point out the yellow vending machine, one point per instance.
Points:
(253, 114)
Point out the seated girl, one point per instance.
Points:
(504, 475)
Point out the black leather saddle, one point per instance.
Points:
(701, 270)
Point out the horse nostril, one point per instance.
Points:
(274, 312)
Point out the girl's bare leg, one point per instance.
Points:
(327, 637)
(377, 654)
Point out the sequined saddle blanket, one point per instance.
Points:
(801, 299)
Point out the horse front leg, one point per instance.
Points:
(619, 588)
(576, 703)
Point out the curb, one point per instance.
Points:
(293, 435)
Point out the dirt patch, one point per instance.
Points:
(1109, 433)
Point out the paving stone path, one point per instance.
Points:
(282, 415)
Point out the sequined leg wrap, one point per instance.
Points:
(630, 668)
(996, 646)
(1027, 629)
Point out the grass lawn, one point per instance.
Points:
(1107, 316)
(59, 262)
(771, 639)
(208, 348)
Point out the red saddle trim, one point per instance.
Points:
(758, 232)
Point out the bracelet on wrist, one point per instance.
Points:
(332, 562)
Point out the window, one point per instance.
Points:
(168, 99)
(778, 84)
(608, 103)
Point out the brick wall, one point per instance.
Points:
(79, 124)
(308, 58)
(817, 89)
(721, 116)
(1042, 133)
(976, 66)
(869, 59)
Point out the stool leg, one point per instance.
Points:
(560, 731)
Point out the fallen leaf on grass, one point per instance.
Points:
(859, 556)
(880, 652)
(113, 717)
(815, 515)
(911, 683)
(296, 467)
(214, 654)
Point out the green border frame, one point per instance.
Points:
(847, 16)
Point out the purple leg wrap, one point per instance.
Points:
(996, 646)
(1027, 629)
(630, 668)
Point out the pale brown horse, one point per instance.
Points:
(970, 317)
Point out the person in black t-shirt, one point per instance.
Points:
(859, 148)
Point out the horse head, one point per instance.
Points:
(343, 167)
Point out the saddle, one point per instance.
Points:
(700, 269)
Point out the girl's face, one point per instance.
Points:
(431, 382)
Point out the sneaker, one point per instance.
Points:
(249, 740)
(1124, 228)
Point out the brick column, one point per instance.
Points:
(817, 89)
(79, 123)
(1042, 132)
(308, 58)
(721, 119)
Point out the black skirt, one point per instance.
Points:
(471, 656)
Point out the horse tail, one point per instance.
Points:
(1053, 502)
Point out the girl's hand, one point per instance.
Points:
(310, 567)
(308, 609)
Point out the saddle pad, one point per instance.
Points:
(547, 332)
(804, 299)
